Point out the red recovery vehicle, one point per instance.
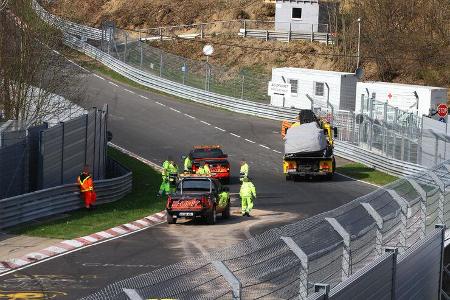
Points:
(216, 159)
(197, 197)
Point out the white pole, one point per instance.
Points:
(359, 42)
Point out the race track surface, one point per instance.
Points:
(155, 126)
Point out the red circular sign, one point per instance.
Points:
(442, 110)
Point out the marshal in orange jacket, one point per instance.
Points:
(87, 189)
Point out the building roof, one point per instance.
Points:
(291, 70)
(393, 84)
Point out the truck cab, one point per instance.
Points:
(216, 159)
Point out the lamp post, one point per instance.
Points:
(359, 43)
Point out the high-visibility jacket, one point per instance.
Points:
(247, 190)
(203, 170)
(224, 198)
(187, 164)
(295, 124)
(244, 170)
(165, 171)
(85, 182)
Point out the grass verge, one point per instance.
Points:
(364, 173)
(141, 202)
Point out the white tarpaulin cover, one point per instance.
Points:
(304, 138)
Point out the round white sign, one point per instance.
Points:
(208, 50)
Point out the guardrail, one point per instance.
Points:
(27, 207)
(286, 35)
(67, 26)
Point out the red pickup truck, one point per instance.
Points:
(197, 197)
(216, 159)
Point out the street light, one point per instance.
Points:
(359, 42)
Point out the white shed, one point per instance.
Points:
(299, 16)
(403, 96)
(307, 86)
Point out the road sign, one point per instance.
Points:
(442, 110)
(279, 88)
(208, 50)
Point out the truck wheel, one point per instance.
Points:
(171, 219)
(226, 213)
(211, 217)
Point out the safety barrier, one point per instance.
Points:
(66, 26)
(60, 199)
(342, 251)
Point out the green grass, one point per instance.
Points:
(364, 173)
(141, 202)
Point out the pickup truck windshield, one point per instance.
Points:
(194, 185)
(206, 153)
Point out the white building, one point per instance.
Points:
(412, 98)
(300, 15)
(308, 86)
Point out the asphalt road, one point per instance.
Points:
(155, 126)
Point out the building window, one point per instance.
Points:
(294, 86)
(296, 13)
(319, 88)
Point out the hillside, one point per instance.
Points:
(413, 49)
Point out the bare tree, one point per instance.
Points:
(32, 72)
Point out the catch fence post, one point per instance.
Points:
(125, 51)
(394, 252)
(303, 257)
(312, 32)
(290, 32)
(423, 206)
(379, 221)
(62, 152)
(232, 280)
(201, 31)
(142, 52)
(245, 28)
(443, 227)
(242, 86)
(160, 34)
(405, 213)
(160, 64)
(441, 185)
(346, 251)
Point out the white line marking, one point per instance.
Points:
(129, 91)
(233, 134)
(218, 128)
(99, 77)
(177, 111)
(365, 182)
(189, 116)
(206, 123)
(77, 249)
(18, 261)
(276, 151)
(159, 103)
(112, 83)
(250, 141)
(264, 146)
(143, 97)
(56, 52)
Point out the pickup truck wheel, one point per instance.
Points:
(288, 177)
(171, 219)
(211, 217)
(226, 213)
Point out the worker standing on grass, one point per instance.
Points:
(243, 173)
(87, 187)
(173, 176)
(165, 173)
(247, 193)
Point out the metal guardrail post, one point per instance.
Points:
(423, 206)
(405, 214)
(303, 257)
(441, 185)
(322, 287)
(346, 252)
(132, 294)
(232, 280)
(245, 28)
(443, 227)
(379, 221)
(394, 252)
(267, 35)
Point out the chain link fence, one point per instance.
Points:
(330, 248)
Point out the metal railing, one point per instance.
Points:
(339, 248)
(60, 199)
